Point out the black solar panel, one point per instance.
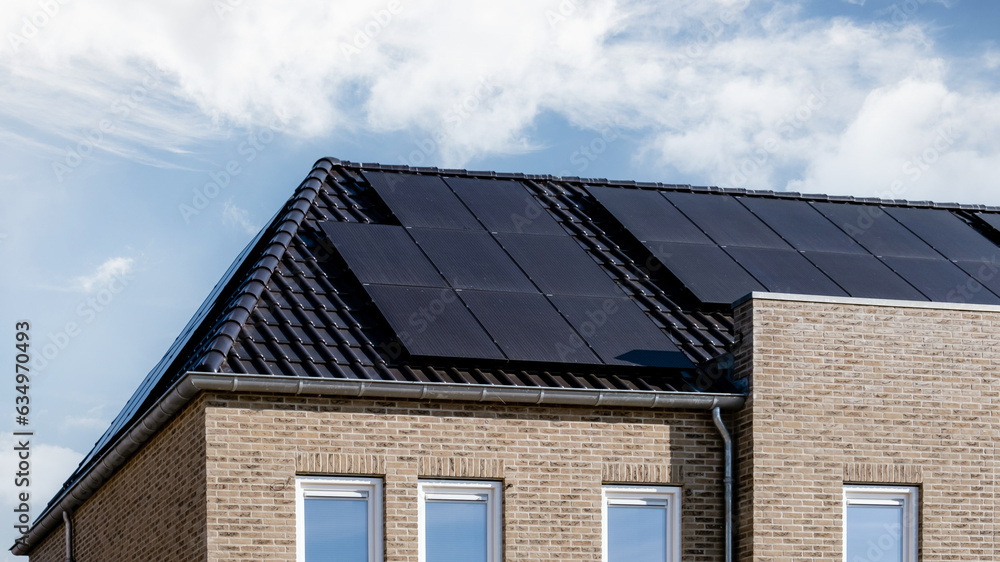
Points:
(801, 225)
(707, 271)
(941, 280)
(992, 219)
(725, 220)
(433, 322)
(864, 276)
(422, 201)
(527, 327)
(505, 206)
(619, 332)
(383, 254)
(785, 271)
(878, 232)
(648, 215)
(472, 260)
(986, 272)
(947, 233)
(559, 265)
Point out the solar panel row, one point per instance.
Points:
(722, 247)
(479, 269)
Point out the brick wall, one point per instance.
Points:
(551, 460)
(857, 393)
(154, 508)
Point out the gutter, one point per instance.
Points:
(193, 383)
(727, 479)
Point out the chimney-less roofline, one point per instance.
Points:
(193, 383)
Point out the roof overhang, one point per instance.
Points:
(193, 383)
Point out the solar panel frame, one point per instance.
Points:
(433, 322)
(801, 225)
(992, 219)
(785, 271)
(619, 332)
(941, 280)
(505, 206)
(422, 201)
(472, 260)
(876, 230)
(708, 272)
(725, 220)
(987, 272)
(942, 230)
(382, 254)
(558, 265)
(647, 215)
(527, 327)
(864, 276)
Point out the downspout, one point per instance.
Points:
(728, 479)
(69, 535)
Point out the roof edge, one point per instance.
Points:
(856, 301)
(193, 383)
(662, 186)
(285, 227)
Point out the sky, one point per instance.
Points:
(142, 146)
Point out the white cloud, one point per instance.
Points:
(709, 84)
(112, 268)
(50, 467)
(92, 419)
(240, 218)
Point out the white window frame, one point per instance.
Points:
(465, 490)
(340, 487)
(905, 496)
(667, 496)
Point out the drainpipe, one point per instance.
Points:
(69, 535)
(728, 479)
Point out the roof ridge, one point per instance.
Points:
(664, 186)
(247, 297)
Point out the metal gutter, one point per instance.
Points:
(193, 383)
(727, 479)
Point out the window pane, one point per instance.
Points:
(637, 533)
(874, 532)
(455, 531)
(336, 529)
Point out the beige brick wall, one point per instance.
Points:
(154, 508)
(551, 460)
(857, 393)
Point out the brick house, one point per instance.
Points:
(422, 364)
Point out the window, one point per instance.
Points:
(459, 521)
(338, 519)
(642, 524)
(880, 523)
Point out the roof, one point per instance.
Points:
(305, 300)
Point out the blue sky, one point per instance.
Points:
(116, 118)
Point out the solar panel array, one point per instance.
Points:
(722, 247)
(479, 269)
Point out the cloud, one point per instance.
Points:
(110, 269)
(50, 467)
(92, 419)
(715, 89)
(240, 218)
